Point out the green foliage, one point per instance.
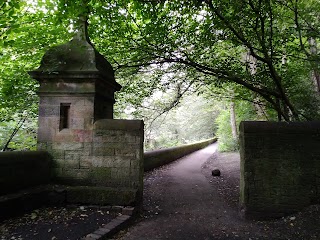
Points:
(24, 139)
(244, 112)
(27, 30)
(189, 121)
(224, 134)
(173, 47)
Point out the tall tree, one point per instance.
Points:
(205, 39)
(211, 37)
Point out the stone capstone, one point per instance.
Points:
(76, 59)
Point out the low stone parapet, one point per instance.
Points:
(157, 158)
(19, 170)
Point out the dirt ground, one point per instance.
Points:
(184, 201)
(302, 225)
(69, 222)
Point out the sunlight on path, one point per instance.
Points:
(210, 149)
(184, 201)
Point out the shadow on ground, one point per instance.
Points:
(207, 208)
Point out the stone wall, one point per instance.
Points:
(280, 167)
(101, 157)
(20, 170)
(108, 157)
(159, 157)
(80, 123)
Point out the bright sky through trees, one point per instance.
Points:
(174, 46)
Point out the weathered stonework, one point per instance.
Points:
(76, 126)
(280, 167)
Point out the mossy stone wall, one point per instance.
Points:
(19, 170)
(157, 158)
(110, 157)
(280, 167)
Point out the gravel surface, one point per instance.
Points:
(184, 201)
(302, 225)
(55, 223)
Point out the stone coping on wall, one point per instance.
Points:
(118, 124)
(159, 157)
(262, 127)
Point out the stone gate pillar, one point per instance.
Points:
(76, 126)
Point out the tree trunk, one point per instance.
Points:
(233, 121)
(315, 76)
(14, 132)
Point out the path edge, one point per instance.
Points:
(113, 227)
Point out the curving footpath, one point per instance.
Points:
(182, 203)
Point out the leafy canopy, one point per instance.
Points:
(256, 50)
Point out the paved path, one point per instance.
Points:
(185, 201)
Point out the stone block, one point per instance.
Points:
(72, 164)
(119, 124)
(121, 173)
(49, 122)
(130, 138)
(126, 151)
(46, 101)
(101, 161)
(46, 134)
(77, 123)
(57, 154)
(58, 163)
(82, 135)
(135, 176)
(49, 111)
(129, 211)
(83, 174)
(136, 164)
(100, 174)
(110, 161)
(73, 154)
(103, 151)
(88, 123)
(64, 135)
(139, 153)
(108, 136)
(99, 232)
(65, 87)
(89, 102)
(85, 162)
(76, 101)
(101, 145)
(94, 236)
(114, 145)
(101, 195)
(73, 135)
(104, 230)
(82, 112)
(67, 145)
